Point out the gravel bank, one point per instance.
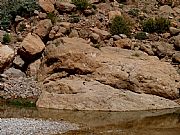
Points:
(27, 126)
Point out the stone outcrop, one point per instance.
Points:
(31, 46)
(77, 76)
(6, 56)
(76, 94)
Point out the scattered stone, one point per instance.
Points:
(124, 43)
(176, 57)
(174, 31)
(18, 18)
(74, 33)
(116, 37)
(177, 42)
(94, 37)
(65, 6)
(43, 28)
(28, 126)
(33, 68)
(18, 62)
(42, 15)
(14, 73)
(102, 33)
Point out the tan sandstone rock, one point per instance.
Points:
(31, 46)
(43, 28)
(76, 94)
(65, 6)
(6, 56)
(77, 76)
(46, 5)
(102, 33)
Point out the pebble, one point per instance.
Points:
(29, 126)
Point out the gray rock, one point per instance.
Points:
(18, 62)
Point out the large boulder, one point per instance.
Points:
(115, 69)
(6, 56)
(47, 5)
(76, 94)
(43, 28)
(31, 46)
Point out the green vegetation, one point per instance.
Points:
(81, 4)
(21, 102)
(22, 27)
(11, 8)
(120, 26)
(141, 36)
(6, 38)
(74, 18)
(159, 25)
(134, 12)
(52, 17)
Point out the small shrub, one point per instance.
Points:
(159, 25)
(162, 25)
(21, 103)
(134, 12)
(141, 36)
(74, 18)
(120, 26)
(6, 38)
(11, 8)
(22, 27)
(81, 4)
(52, 17)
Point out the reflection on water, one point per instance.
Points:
(161, 122)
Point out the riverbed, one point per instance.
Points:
(154, 122)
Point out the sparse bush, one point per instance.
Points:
(52, 17)
(141, 36)
(74, 18)
(134, 12)
(159, 25)
(81, 4)
(22, 27)
(162, 25)
(120, 26)
(9, 9)
(6, 38)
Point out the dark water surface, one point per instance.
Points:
(160, 122)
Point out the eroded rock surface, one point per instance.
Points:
(77, 76)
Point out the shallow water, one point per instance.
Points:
(160, 122)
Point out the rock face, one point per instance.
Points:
(31, 46)
(6, 57)
(77, 76)
(83, 95)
